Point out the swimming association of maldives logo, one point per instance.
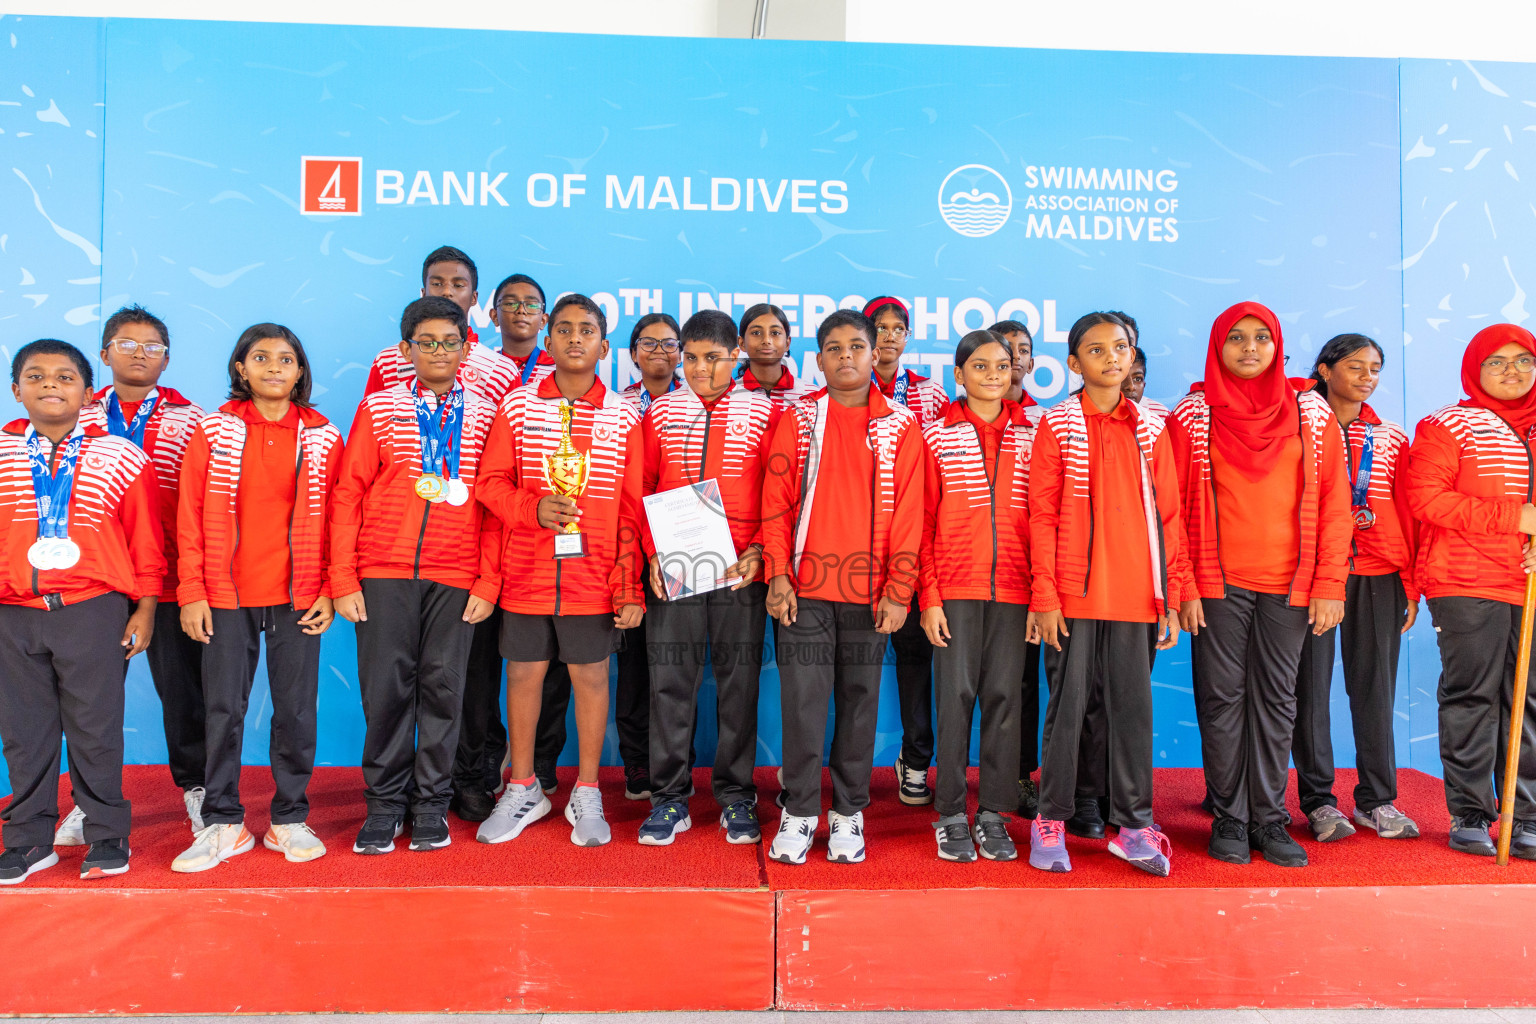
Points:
(331, 185)
(975, 200)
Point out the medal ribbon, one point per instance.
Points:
(899, 389)
(117, 426)
(53, 489)
(440, 429)
(646, 398)
(1360, 482)
(531, 362)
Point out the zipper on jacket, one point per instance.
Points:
(1301, 426)
(558, 564)
(997, 469)
(298, 493)
(53, 467)
(704, 454)
(421, 538)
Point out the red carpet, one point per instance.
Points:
(900, 842)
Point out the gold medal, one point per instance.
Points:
(429, 487)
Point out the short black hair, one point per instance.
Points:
(759, 310)
(577, 299)
(713, 326)
(974, 340)
(1012, 327)
(1129, 321)
(513, 279)
(240, 389)
(432, 307)
(52, 347)
(648, 320)
(448, 254)
(845, 318)
(1138, 358)
(1087, 322)
(134, 314)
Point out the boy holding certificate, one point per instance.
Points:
(83, 569)
(415, 564)
(715, 431)
(562, 470)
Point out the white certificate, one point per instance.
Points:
(692, 536)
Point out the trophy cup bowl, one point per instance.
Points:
(566, 470)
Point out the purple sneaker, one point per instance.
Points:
(1048, 846)
(1144, 848)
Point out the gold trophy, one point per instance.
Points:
(566, 473)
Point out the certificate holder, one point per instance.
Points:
(692, 537)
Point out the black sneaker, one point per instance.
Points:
(1470, 835)
(912, 785)
(740, 823)
(637, 784)
(1522, 843)
(378, 834)
(1275, 844)
(1029, 799)
(22, 862)
(472, 804)
(992, 839)
(664, 823)
(107, 857)
(546, 776)
(1229, 841)
(429, 831)
(1086, 821)
(953, 835)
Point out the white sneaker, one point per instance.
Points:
(71, 831)
(584, 811)
(846, 844)
(519, 807)
(212, 846)
(193, 798)
(793, 841)
(297, 842)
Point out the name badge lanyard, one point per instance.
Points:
(646, 398)
(118, 426)
(53, 489)
(440, 435)
(531, 362)
(1360, 481)
(899, 389)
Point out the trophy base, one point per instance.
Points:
(570, 545)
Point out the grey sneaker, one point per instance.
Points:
(1470, 835)
(1388, 822)
(992, 838)
(1329, 824)
(954, 839)
(516, 809)
(584, 811)
(192, 799)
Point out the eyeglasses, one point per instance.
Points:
(894, 333)
(1498, 364)
(668, 345)
(447, 345)
(128, 346)
(515, 306)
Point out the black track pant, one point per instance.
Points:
(1371, 635)
(726, 626)
(482, 734)
(293, 676)
(1478, 644)
(981, 664)
(1110, 658)
(176, 665)
(61, 673)
(411, 656)
(831, 652)
(1029, 713)
(1093, 747)
(914, 690)
(1245, 698)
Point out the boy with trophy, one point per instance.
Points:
(571, 568)
(414, 564)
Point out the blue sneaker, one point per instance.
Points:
(740, 823)
(1144, 848)
(664, 823)
(1048, 846)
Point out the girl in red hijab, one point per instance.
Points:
(1266, 506)
(1470, 484)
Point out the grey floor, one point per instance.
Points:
(1464, 1016)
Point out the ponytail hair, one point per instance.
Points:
(1339, 347)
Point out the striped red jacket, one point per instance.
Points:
(207, 526)
(789, 494)
(1469, 477)
(381, 529)
(527, 428)
(166, 434)
(1391, 541)
(975, 544)
(483, 370)
(1061, 508)
(113, 516)
(926, 397)
(786, 391)
(1325, 526)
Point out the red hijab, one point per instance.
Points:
(1250, 419)
(1521, 412)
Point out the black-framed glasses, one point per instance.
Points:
(520, 306)
(667, 345)
(128, 346)
(447, 345)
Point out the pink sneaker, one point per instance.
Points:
(1048, 846)
(1144, 848)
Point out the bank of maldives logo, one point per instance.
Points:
(331, 185)
(975, 200)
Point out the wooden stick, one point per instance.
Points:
(1516, 722)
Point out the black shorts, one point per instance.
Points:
(573, 639)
